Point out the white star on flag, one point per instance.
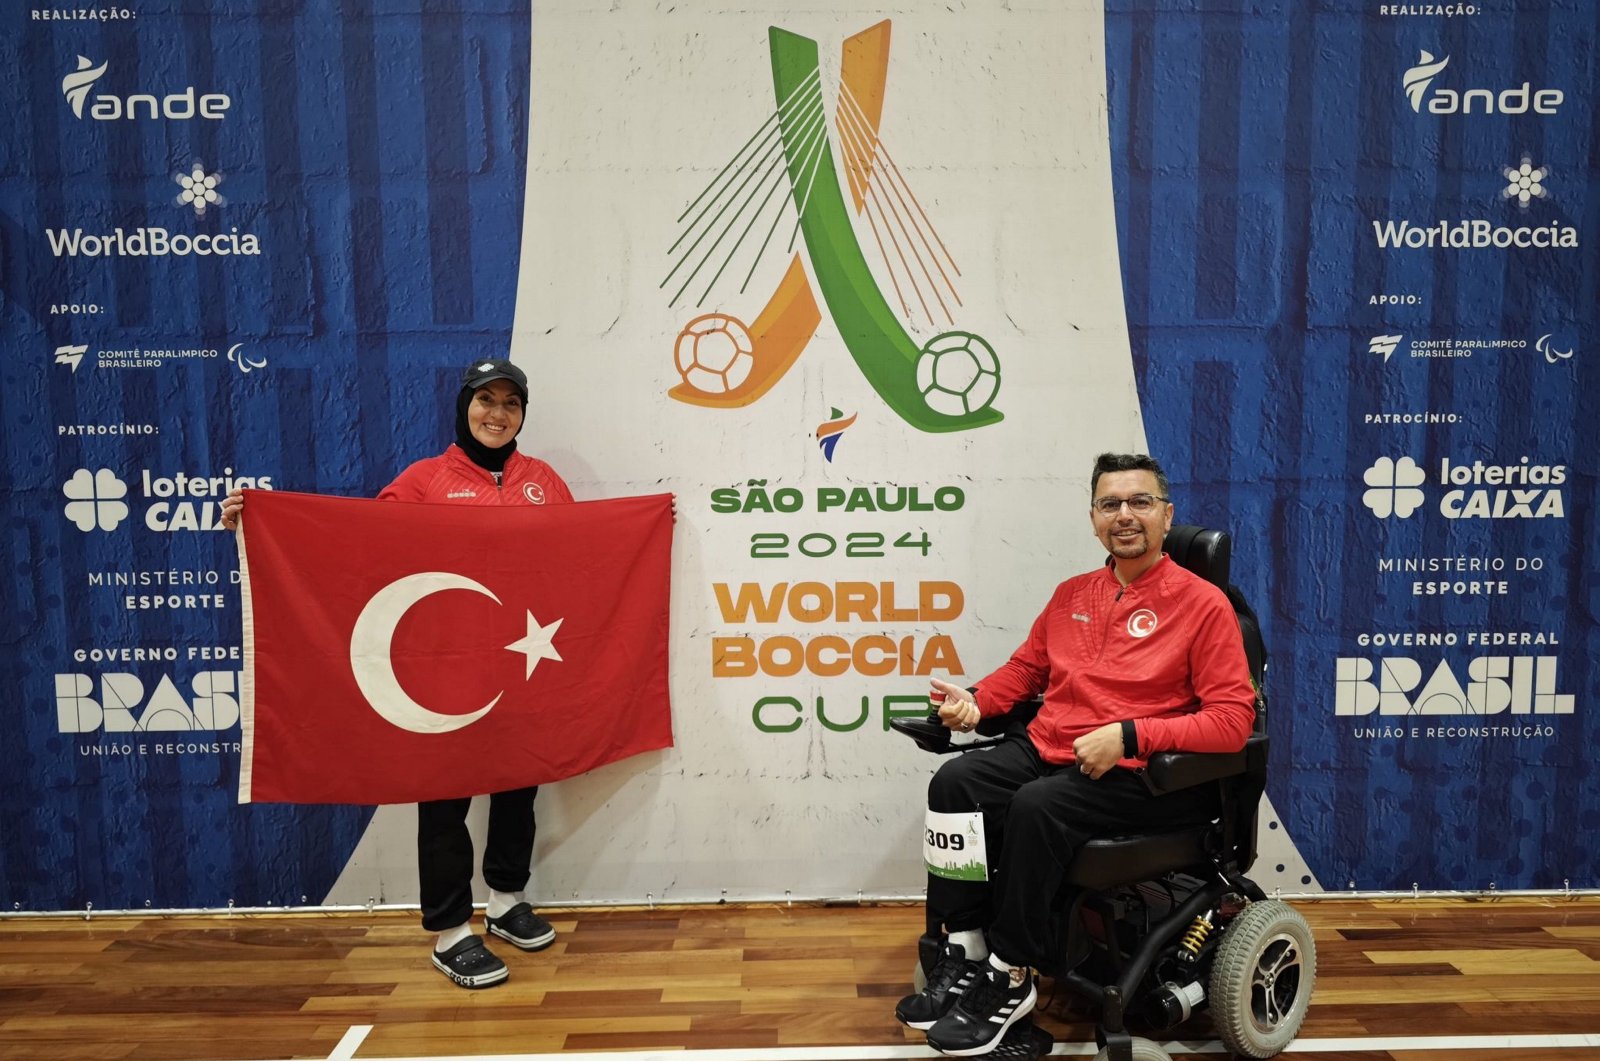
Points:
(537, 644)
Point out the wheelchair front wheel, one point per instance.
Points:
(1261, 979)
(1143, 1050)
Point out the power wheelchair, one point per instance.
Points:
(1159, 927)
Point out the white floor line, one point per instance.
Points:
(351, 1041)
(359, 1032)
(1446, 1042)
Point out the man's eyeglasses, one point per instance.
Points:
(1138, 504)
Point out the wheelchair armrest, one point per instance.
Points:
(931, 735)
(1174, 771)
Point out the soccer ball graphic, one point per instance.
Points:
(714, 353)
(958, 373)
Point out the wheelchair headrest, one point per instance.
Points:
(1202, 550)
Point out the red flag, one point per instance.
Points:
(396, 652)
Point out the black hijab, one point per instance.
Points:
(490, 460)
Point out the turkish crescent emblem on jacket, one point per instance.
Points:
(1142, 623)
(533, 492)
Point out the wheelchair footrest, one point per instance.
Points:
(1024, 1041)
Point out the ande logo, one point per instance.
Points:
(183, 105)
(1418, 86)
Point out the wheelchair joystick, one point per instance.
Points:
(930, 732)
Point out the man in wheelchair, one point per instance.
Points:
(1137, 657)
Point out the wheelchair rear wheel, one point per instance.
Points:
(1143, 1050)
(1261, 980)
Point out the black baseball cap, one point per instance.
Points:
(480, 373)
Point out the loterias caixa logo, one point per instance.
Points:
(946, 383)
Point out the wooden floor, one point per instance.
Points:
(752, 981)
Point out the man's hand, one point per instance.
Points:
(958, 712)
(1099, 750)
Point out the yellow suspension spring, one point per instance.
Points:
(1194, 937)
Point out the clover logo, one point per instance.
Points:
(95, 500)
(1393, 487)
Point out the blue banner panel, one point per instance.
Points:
(1358, 243)
(245, 243)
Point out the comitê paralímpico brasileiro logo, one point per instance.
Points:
(945, 384)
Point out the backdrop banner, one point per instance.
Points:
(239, 250)
(1359, 258)
(866, 289)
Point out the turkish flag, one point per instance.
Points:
(397, 652)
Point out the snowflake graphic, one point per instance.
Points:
(95, 499)
(1526, 182)
(199, 189)
(1393, 487)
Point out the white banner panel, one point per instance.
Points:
(878, 429)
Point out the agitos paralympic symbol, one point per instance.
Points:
(948, 383)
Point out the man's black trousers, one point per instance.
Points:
(1035, 817)
(444, 853)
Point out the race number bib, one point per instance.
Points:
(952, 846)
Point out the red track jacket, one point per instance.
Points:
(1165, 652)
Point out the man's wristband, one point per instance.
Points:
(1130, 740)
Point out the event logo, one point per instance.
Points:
(214, 705)
(71, 355)
(150, 357)
(1477, 490)
(177, 106)
(1460, 347)
(1383, 344)
(948, 383)
(372, 638)
(75, 86)
(1525, 182)
(199, 189)
(1417, 81)
(1392, 487)
(829, 432)
(149, 243)
(244, 364)
(175, 503)
(1471, 235)
(1551, 354)
(94, 499)
(1499, 684)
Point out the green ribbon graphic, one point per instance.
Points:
(871, 332)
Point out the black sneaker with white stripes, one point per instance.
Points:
(948, 975)
(990, 1005)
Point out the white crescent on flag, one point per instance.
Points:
(370, 642)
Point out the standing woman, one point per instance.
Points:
(482, 467)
